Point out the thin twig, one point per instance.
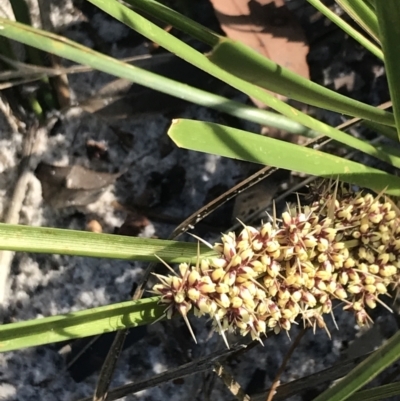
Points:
(30, 72)
(205, 364)
(107, 370)
(277, 379)
(197, 366)
(12, 121)
(58, 82)
(14, 208)
(296, 387)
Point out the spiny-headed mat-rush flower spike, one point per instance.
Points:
(344, 246)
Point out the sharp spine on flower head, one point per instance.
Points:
(344, 246)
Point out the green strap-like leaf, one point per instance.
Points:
(174, 45)
(85, 323)
(342, 24)
(268, 75)
(377, 393)
(364, 372)
(252, 67)
(81, 243)
(363, 14)
(388, 13)
(179, 21)
(66, 48)
(229, 142)
(300, 87)
(385, 130)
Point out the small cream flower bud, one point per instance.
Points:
(355, 288)
(340, 293)
(218, 263)
(222, 288)
(224, 300)
(236, 302)
(179, 297)
(373, 269)
(194, 276)
(193, 294)
(387, 271)
(370, 301)
(260, 326)
(183, 269)
(381, 288)
(217, 275)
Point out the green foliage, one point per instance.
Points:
(251, 74)
(79, 324)
(82, 243)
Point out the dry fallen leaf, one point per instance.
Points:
(72, 185)
(268, 27)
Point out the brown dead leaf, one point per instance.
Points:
(268, 27)
(72, 185)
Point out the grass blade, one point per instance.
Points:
(81, 243)
(389, 16)
(252, 67)
(377, 393)
(242, 145)
(366, 371)
(179, 21)
(301, 88)
(344, 26)
(85, 323)
(73, 51)
(363, 14)
(385, 130)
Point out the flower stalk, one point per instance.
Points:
(345, 246)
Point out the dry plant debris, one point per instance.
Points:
(344, 246)
(268, 27)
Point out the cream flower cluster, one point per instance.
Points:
(343, 247)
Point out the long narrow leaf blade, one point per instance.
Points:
(179, 21)
(66, 48)
(85, 323)
(366, 371)
(73, 51)
(342, 24)
(81, 243)
(242, 145)
(377, 393)
(388, 12)
(252, 67)
(363, 14)
(298, 84)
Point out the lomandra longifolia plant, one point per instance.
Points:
(345, 246)
(340, 249)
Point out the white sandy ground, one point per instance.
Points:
(44, 285)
